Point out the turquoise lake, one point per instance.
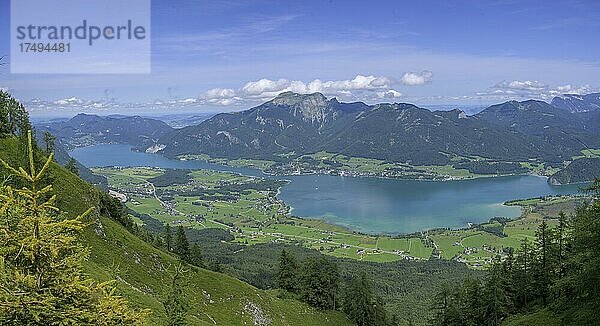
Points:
(372, 205)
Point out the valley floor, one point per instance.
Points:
(249, 208)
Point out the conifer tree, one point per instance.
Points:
(582, 278)
(496, 302)
(319, 283)
(196, 256)
(523, 275)
(287, 275)
(14, 119)
(561, 243)
(176, 305)
(168, 237)
(71, 166)
(361, 306)
(49, 140)
(471, 307)
(181, 246)
(544, 262)
(41, 262)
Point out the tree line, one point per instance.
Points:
(14, 119)
(317, 282)
(558, 271)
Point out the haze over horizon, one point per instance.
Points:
(232, 55)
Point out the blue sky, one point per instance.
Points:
(229, 55)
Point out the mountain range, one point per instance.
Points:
(292, 125)
(296, 124)
(578, 103)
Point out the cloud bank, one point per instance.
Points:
(417, 78)
(533, 89)
(359, 88)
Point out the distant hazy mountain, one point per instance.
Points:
(85, 130)
(297, 124)
(180, 120)
(578, 103)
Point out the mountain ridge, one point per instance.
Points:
(87, 129)
(303, 123)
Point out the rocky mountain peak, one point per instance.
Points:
(294, 99)
(313, 107)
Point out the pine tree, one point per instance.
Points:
(287, 275)
(472, 302)
(41, 261)
(544, 263)
(181, 246)
(496, 302)
(168, 237)
(522, 278)
(561, 242)
(71, 166)
(176, 305)
(49, 140)
(319, 283)
(361, 306)
(196, 256)
(14, 119)
(448, 302)
(581, 286)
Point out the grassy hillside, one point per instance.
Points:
(144, 273)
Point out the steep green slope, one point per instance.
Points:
(143, 273)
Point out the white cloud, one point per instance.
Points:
(532, 89)
(390, 93)
(266, 88)
(219, 93)
(579, 90)
(190, 100)
(358, 83)
(417, 78)
(221, 96)
(68, 101)
(516, 85)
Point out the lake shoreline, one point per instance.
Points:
(377, 196)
